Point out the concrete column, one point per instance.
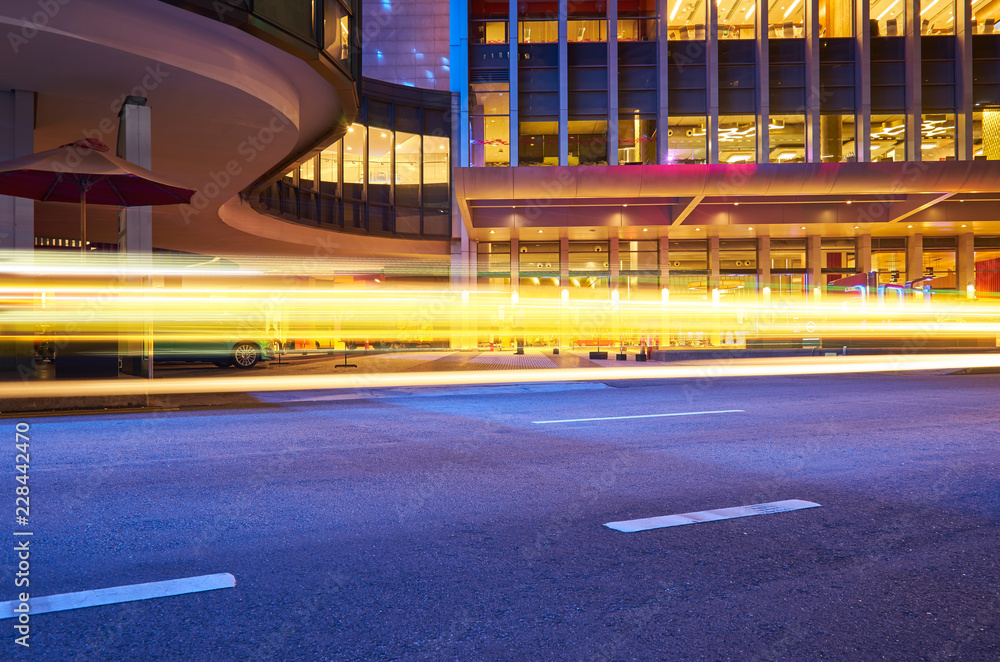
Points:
(515, 129)
(613, 82)
(135, 234)
(614, 262)
(914, 256)
(763, 261)
(713, 265)
(712, 81)
(662, 96)
(813, 89)
(862, 82)
(458, 56)
(563, 86)
(814, 263)
(564, 262)
(763, 83)
(863, 254)
(965, 263)
(515, 261)
(17, 138)
(963, 79)
(664, 261)
(913, 80)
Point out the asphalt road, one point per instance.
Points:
(447, 525)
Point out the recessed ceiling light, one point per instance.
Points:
(856, 227)
(493, 231)
(909, 226)
(624, 205)
(647, 229)
(803, 227)
(749, 228)
(736, 204)
(963, 226)
(849, 201)
(539, 232)
(697, 229)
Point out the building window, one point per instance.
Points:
(986, 17)
(939, 265)
(307, 174)
(986, 134)
(686, 20)
(329, 168)
(889, 259)
(787, 20)
(379, 165)
(937, 138)
(836, 18)
(937, 17)
(838, 258)
(489, 32)
(588, 142)
(987, 272)
(490, 124)
(407, 169)
(688, 140)
(538, 144)
(688, 256)
(888, 18)
(787, 139)
(737, 139)
(437, 170)
(837, 138)
(354, 162)
(736, 19)
(538, 32)
(636, 140)
(587, 30)
(888, 138)
(636, 29)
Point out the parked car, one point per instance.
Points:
(243, 353)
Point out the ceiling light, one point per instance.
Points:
(963, 226)
(803, 227)
(493, 231)
(749, 228)
(647, 229)
(850, 202)
(736, 204)
(794, 4)
(697, 229)
(909, 226)
(540, 232)
(856, 227)
(383, 134)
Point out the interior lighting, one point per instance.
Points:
(796, 3)
(928, 7)
(887, 10)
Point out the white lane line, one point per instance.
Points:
(631, 526)
(618, 418)
(116, 594)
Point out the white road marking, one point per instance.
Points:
(631, 526)
(618, 418)
(116, 594)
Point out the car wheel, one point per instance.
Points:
(246, 355)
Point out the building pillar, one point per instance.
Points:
(965, 263)
(514, 60)
(17, 138)
(712, 82)
(135, 235)
(813, 89)
(914, 256)
(458, 62)
(614, 262)
(613, 83)
(563, 85)
(515, 261)
(662, 96)
(563, 261)
(763, 261)
(913, 80)
(814, 262)
(963, 79)
(863, 254)
(763, 83)
(664, 262)
(862, 82)
(714, 267)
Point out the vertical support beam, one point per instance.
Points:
(914, 256)
(613, 82)
(17, 138)
(515, 261)
(662, 94)
(563, 86)
(135, 234)
(515, 58)
(664, 261)
(814, 262)
(458, 54)
(813, 89)
(714, 267)
(712, 81)
(913, 80)
(863, 83)
(863, 254)
(963, 79)
(563, 261)
(763, 83)
(763, 261)
(614, 262)
(965, 262)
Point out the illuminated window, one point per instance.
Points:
(437, 170)
(379, 164)
(986, 16)
(636, 140)
(688, 140)
(937, 17)
(837, 138)
(986, 134)
(307, 174)
(786, 139)
(538, 32)
(937, 138)
(737, 139)
(538, 144)
(787, 19)
(889, 17)
(489, 32)
(329, 161)
(736, 19)
(836, 18)
(888, 138)
(636, 29)
(592, 30)
(686, 19)
(354, 162)
(407, 169)
(588, 142)
(489, 124)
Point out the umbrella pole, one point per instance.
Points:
(83, 220)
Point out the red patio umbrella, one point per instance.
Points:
(84, 172)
